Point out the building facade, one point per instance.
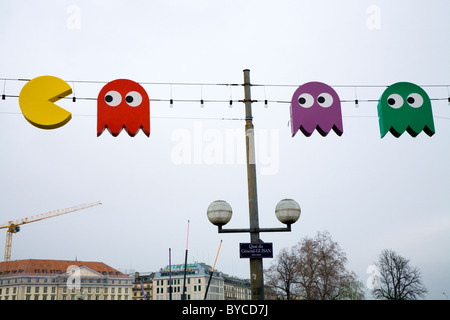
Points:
(236, 288)
(171, 280)
(221, 286)
(34, 279)
(143, 286)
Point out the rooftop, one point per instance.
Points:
(49, 267)
(198, 269)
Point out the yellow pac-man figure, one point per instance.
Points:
(37, 99)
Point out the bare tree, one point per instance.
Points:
(322, 271)
(281, 277)
(314, 269)
(398, 280)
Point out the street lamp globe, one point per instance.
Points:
(219, 212)
(287, 211)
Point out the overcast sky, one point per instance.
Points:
(369, 193)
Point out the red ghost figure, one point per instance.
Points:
(123, 104)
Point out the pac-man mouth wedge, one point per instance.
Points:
(37, 102)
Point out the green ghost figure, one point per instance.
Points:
(405, 106)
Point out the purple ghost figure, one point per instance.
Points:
(315, 105)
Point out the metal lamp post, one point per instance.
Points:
(287, 211)
(219, 212)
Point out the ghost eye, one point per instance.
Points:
(325, 100)
(415, 100)
(133, 98)
(113, 98)
(395, 101)
(306, 100)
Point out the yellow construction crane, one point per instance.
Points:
(14, 226)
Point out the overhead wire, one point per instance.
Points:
(232, 84)
(229, 101)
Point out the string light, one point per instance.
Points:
(201, 97)
(4, 88)
(74, 99)
(356, 100)
(265, 101)
(448, 91)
